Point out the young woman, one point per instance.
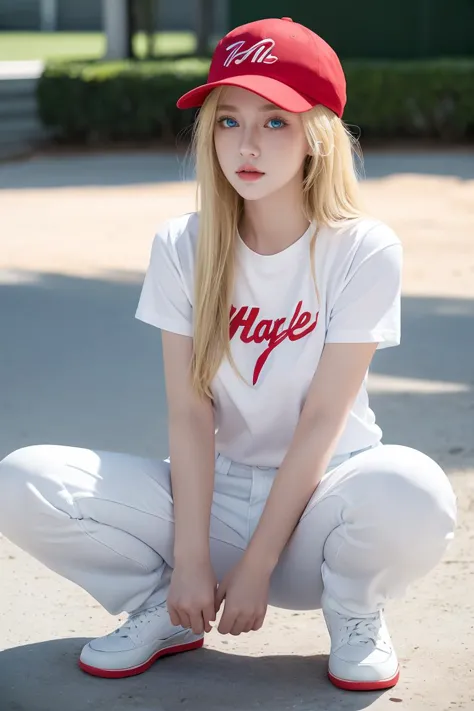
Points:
(272, 301)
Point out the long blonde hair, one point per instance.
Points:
(331, 194)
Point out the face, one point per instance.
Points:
(260, 148)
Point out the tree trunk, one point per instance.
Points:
(150, 26)
(116, 28)
(204, 25)
(130, 28)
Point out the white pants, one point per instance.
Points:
(378, 520)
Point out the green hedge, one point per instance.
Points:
(112, 101)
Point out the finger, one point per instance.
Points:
(227, 621)
(219, 597)
(197, 622)
(239, 625)
(249, 626)
(207, 626)
(259, 620)
(184, 620)
(209, 615)
(174, 617)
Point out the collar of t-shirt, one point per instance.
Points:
(270, 263)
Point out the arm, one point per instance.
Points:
(191, 441)
(165, 302)
(338, 378)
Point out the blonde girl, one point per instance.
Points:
(272, 299)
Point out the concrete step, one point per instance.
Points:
(18, 106)
(20, 126)
(17, 87)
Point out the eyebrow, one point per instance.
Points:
(265, 107)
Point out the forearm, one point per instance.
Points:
(301, 470)
(192, 477)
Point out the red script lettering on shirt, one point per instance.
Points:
(267, 330)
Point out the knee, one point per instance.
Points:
(19, 471)
(15, 470)
(408, 501)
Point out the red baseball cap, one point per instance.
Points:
(282, 61)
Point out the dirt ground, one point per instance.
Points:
(75, 238)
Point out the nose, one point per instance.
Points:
(249, 144)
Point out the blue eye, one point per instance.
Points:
(228, 122)
(276, 123)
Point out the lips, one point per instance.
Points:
(249, 169)
(249, 173)
(250, 176)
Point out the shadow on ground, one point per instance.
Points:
(77, 368)
(150, 167)
(45, 677)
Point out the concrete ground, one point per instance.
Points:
(76, 368)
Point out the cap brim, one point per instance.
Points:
(271, 89)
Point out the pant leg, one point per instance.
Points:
(375, 524)
(104, 520)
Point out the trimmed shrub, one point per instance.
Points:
(136, 100)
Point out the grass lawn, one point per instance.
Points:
(15, 46)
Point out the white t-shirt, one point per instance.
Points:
(278, 328)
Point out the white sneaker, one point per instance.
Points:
(145, 637)
(362, 656)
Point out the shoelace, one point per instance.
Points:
(358, 630)
(134, 621)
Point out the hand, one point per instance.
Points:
(245, 589)
(191, 597)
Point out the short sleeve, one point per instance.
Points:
(164, 301)
(367, 308)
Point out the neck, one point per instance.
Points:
(272, 224)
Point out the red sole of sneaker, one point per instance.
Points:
(363, 685)
(132, 671)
